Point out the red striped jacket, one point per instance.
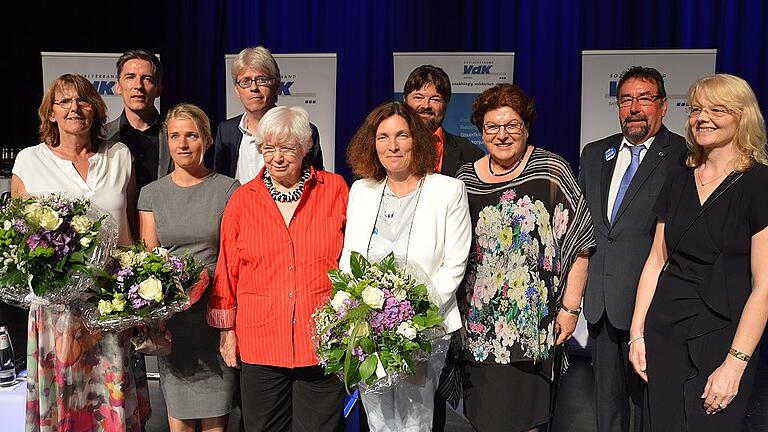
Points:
(270, 278)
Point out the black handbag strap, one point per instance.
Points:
(706, 205)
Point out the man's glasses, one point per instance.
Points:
(259, 80)
(645, 100)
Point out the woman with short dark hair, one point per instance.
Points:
(526, 275)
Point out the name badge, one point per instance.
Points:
(610, 154)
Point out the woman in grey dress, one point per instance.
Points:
(182, 212)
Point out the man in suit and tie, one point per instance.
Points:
(139, 76)
(428, 91)
(621, 176)
(256, 77)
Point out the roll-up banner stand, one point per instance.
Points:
(98, 68)
(308, 81)
(470, 73)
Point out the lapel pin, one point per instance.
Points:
(610, 154)
(661, 154)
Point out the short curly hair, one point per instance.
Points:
(500, 96)
(361, 152)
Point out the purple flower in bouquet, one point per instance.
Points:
(348, 304)
(65, 208)
(62, 242)
(20, 226)
(184, 277)
(133, 296)
(124, 273)
(40, 239)
(176, 264)
(359, 353)
(393, 313)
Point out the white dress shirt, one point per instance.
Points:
(623, 158)
(249, 160)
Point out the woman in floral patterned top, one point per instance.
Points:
(527, 268)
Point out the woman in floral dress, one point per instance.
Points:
(527, 267)
(79, 381)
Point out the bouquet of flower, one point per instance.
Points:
(377, 324)
(143, 287)
(48, 245)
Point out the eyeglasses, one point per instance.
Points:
(715, 111)
(644, 100)
(261, 81)
(511, 128)
(67, 103)
(269, 152)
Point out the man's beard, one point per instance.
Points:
(634, 133)
(432, 123)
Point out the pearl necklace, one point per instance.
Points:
(291, 196)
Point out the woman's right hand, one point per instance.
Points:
(228, 347)
(637, 357)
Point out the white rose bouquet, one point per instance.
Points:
(48, 245)
(143, 287)
(378, 323)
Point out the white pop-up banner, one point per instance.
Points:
(308, 81)
(99, 68)
(470, 73)
(600, 72)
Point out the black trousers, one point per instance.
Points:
(618, 389)
(284, 399)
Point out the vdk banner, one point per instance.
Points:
(308, 81)
(470, 74)
(99, 68)
(600, 72)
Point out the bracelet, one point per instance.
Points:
(576, 311)
(631, 341)
(739, 355)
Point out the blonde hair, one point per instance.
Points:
(737, 96)
(190, 112)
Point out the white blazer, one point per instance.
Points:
(440, 237)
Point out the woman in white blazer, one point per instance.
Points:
(400, 205)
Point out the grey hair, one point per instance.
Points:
(257, 58)
(284, 123)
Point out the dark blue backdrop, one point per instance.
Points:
(547, 37)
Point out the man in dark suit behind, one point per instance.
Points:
(256, 78)
(621, 176)
(428, 91)
(139, 82)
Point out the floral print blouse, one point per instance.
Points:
(526, 235)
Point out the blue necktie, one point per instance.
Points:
(628, 174)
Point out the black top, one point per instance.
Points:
(699, 298)
(145, 149)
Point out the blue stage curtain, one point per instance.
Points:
(547, 37)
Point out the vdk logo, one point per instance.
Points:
(470, 69)
(613, 88)
(104, 88)
(285, 88)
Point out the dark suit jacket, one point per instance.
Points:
(622, 248)
(164, 165)
(456, 152)
(227, 147)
